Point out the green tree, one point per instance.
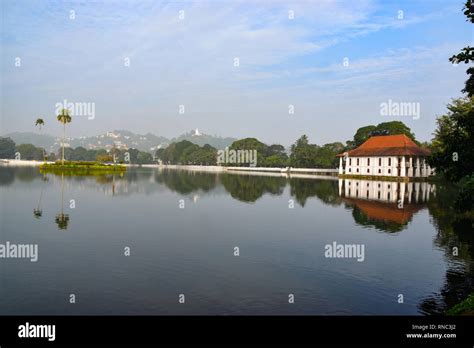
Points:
(64, 118)
(384, 128)
(267, 156)
(394, 128)
(186, 152)
(78, 154)
(467, 54)
(363, 134)
(276, 156)
(52, 157)
(133, 153)
(159, 153)
(30, 152)
(303, 154)
(40, 123)
(7, 148)
(453, 140)
(144, 157)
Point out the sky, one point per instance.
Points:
(230, 68)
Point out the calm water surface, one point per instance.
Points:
(190, 251)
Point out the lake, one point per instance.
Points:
(230, 243)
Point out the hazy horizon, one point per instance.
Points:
(137, 62)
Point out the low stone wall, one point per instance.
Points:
(21, 163)
(215, 169)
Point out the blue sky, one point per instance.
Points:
(190, 62)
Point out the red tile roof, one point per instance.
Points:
(388, 145)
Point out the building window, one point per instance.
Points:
(380, 171)
(389, 171)
(368, 170)
(380, 161)
(357, 170)
(367, 184)
(350, 161)
(349, 170)
(368, 161)
(378, 195)
(389, 162)
(357, 161)
(367, 193)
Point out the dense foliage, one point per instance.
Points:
(306, 155)
(267, 156)
(467, 54)
(453, 140)
(186, 152)
(7, 148)
(384, 128)
(30, 152)
(128, 156)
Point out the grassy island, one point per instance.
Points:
(82, 168)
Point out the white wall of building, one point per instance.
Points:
(385, 166)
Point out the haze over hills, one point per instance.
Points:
(202, 139)
(121, 139)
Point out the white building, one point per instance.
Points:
(386, 155)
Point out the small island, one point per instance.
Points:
(82, 168)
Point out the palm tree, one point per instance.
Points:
(40, 123)
(64, 118)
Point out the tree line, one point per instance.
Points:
(9, 150)
(302, 154)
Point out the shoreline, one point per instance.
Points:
(288, 172)
(307, 173)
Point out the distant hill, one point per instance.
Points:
(202, 139)
(42, 140)
(122, 139)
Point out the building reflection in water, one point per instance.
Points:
(387, 201)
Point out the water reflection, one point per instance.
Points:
(186, 182)
(249, 188)
(62, 219)
(325, 190)
(456, 238)
(38, 211)
(389, 207)
(385, 205)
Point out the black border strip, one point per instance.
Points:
(291, 330)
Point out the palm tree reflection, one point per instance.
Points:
(38, 211)
(62, 220)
